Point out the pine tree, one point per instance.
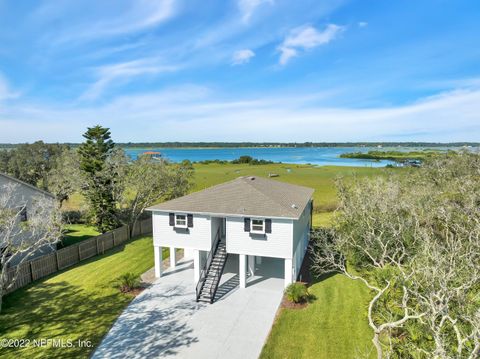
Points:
(99, 187)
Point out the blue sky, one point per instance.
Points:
(241, 70)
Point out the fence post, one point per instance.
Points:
(98, 249)
(56, 260)
(31, 270)
(128, 232)
(113, 236)
(79, 253)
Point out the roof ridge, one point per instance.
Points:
(263, 195)
(27, 184)
(270, 198)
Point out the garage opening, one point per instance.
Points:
(262, 272)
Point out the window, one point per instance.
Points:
(23, 215)
(258, 226)
(180, 220)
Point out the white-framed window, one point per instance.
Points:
(257, 225)
(181, 220)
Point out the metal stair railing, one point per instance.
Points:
(216, 278)
(204, 271)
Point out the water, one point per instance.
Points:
(323, 156)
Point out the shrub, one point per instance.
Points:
(128, 281)
(250, 160)
(297, 292)
(74, 217)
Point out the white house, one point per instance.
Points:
(250, 217)
(22, 198)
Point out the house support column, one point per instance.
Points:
(196, 265)
(258, 259)
(242, 272)
(157, 253)
(173, 258)
(188, 253)
(288, 272)
(251, 265)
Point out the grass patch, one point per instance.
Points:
(74, 203)
(78, 232)
(323, 219)
(334, 325)
(320, 178)
(79, 303)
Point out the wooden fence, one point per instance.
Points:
(68, 256)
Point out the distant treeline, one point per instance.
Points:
(276, 144)
(394, 155)
(241, 160)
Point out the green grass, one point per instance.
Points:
(321, 178)
(78, 232)
(323, 219)
(79, 303)
(74, 203)
(334, 325)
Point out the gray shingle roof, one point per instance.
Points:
(244, 196)
(10, 178)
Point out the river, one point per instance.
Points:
(323, 156)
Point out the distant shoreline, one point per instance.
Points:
(223, 145)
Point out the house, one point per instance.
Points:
(153, 155)
(23, 198)
(249, 217)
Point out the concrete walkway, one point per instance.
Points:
(165, 321)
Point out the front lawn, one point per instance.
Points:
(79, 303)
(333, 326)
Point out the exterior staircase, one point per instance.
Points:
(210, 276)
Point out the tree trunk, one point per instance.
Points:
(133, 226)
(3, 282)
(378, 345)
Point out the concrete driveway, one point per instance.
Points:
(165, 321)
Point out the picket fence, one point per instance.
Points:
(47, 264)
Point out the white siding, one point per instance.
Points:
(197, 237)
(27, 196)
(301, 237)
(277, 244)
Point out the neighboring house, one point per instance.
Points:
(24, 197)
(251, 217)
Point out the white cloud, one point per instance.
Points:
(248, 7)
(362, 24)
(128, 16)
(5, 90)
(304, 38)
(123, 72)
(194, 113)
(241, 57)
(286, 54)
